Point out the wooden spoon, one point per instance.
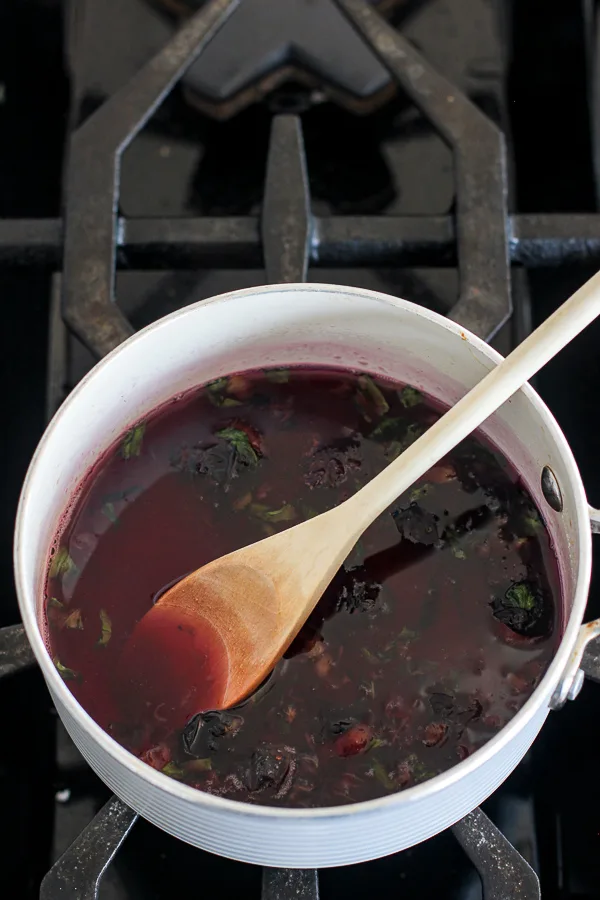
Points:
(257, 599)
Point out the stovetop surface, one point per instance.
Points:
(528, 67)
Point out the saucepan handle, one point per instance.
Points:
(585, 658)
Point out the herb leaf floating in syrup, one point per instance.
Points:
(285, 513)
(382, 775)
(106, 632)
(520, 595)
(458, 552)
(370, 399)
(410, 396)
(240, 442)
(523, 609)
(419, 492)
(391, 428)
(419, 770)
(408, 635)
(132, 442)
(172, 770)
(74, 620)
(217, 390)
(56, 612)
(397, 435)
(239, 446)
(395, 448)
(61, 564)
(65, 673)
(532, 522)
(277, 376)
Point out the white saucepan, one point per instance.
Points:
(282, 326)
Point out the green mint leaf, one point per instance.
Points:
(132, 442)
(412, 433)
(521, 596)
(407, 635)
(532, 523)
(389, 429)
(419, 770)
(216, 392)
(74, 620)
(382, 776)
(240, 442)
(173, 771)
(61, 563)
(65, 673)
(308, 512)
(419, 492)
(410, 396)
(219, 384)
(106, 629)
(277, 376)
(371, 397)
(285, 513)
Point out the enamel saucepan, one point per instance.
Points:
(282, 326)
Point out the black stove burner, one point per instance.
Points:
(504, 874)
(484, 302)
(15, 651)
(267, 43)
(78, 873)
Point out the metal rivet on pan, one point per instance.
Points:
(551, 489)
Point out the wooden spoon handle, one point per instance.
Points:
(475, 407)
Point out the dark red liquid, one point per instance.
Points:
(178, 665)
(435, 633)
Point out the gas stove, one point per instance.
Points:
(446, 151)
